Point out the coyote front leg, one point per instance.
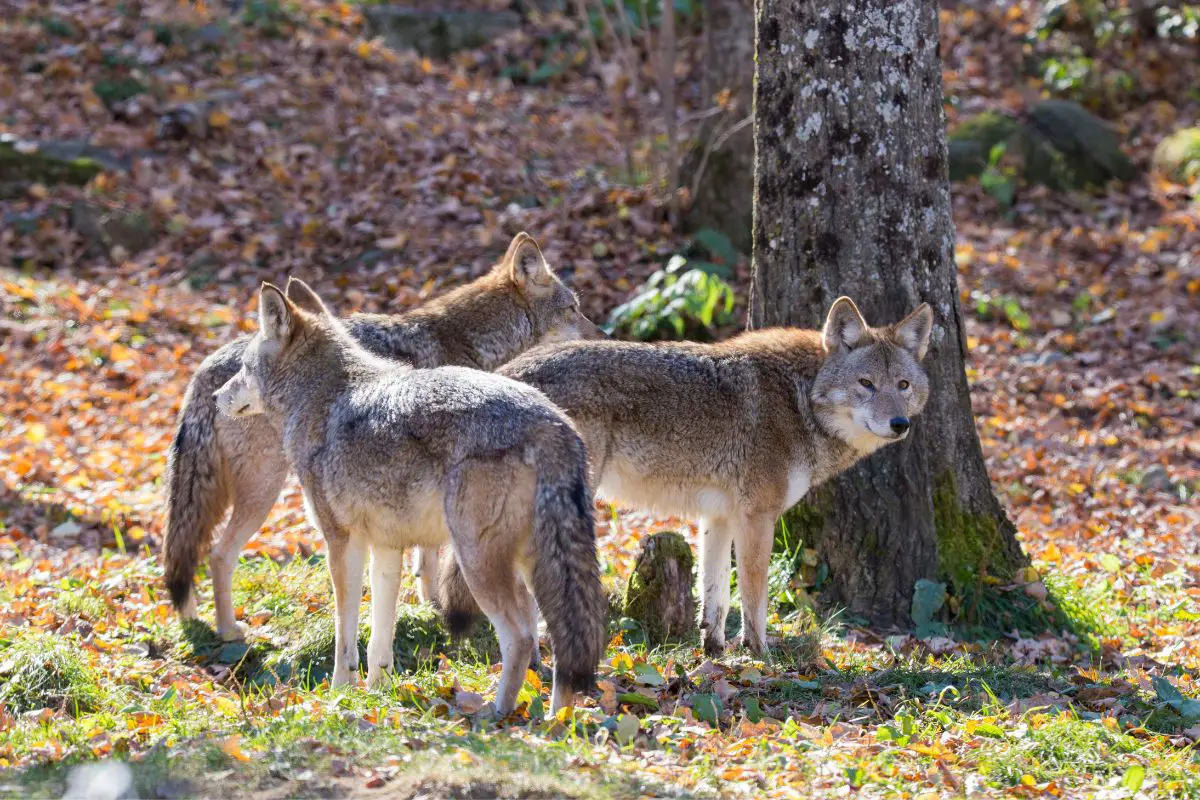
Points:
(716, 536)
(386, 572)
(753, 545)
(347, 557)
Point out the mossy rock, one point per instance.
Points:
(1177, 157)
(659, 594)
(1065, 146)
(1060, 144)
(971, 142)
(23, 164)
(437, 34)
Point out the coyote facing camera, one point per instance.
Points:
(732, 434)
(391, 457)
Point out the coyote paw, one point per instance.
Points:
(488, 713)
(740, 641)
(378, 677)
(234, 632)
(714, 646)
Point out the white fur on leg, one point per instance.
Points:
(386, 573)
(346, 562)
(516, 647)
(425, 561)
(222, 565)
(753, 542)
(716, 537)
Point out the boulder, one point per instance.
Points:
(1065, 146)
(437, 34)
(659, 592)
(1059, 144)
(971, 142)
(106, 229)
(24, 163)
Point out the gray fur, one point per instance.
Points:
(215, 462)
(391, 457)
(734, 433)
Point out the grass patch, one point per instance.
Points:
(1064, 748)
(46, 671)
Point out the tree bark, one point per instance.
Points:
(852, 197)
(723, 197)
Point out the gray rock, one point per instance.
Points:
(437, 34)
(1157, 479)
(1059, 143)
(24, 163)
(1060, 318)
(105, 229)
(1040, 359)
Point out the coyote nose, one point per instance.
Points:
(899, 425)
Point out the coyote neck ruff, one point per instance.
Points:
(733, 434)
(390, 457)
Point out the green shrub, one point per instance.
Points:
(676, 303)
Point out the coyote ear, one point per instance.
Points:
(526, 265)
(274, 313)
(302, 296)
(912, 332)
(844, 326)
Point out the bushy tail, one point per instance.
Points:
(566, 575)
(197, 487)
(457, 604)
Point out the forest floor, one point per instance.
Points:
(386, 178)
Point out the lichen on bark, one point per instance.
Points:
(859, 204)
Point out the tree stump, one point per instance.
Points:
(659, 593)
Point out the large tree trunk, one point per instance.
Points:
(852, 197)
(723, 176)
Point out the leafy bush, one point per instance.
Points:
(676, 303)
(1000, 307)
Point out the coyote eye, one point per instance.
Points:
(866, 383)
(903, 385)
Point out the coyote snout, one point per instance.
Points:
(239, 397)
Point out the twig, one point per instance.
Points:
(666, 80)
(635, 68)
(629, 132)
(590, 35)
(711, 146)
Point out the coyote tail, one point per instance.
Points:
(197, 492)
(566, 576)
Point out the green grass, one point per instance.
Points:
(204, 716)
(44, 671)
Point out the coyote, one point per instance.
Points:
(731, 434)
(216, 462)
(390, 457)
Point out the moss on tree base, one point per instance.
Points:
(970, 546)
(659, 592)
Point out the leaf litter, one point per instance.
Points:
(303, 146)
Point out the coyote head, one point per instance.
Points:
(553, 308)
(283, 321)
(871, 384)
